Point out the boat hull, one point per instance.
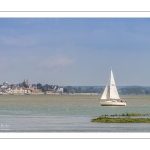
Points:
(111, 103)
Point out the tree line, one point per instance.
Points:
(122, 90)
(46, 87)
(135, 90)
(93, 89)
(80, 89)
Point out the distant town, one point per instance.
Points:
(26, 88)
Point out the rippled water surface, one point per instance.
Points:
(67, 113)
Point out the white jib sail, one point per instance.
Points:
(113, 90)
(105, 93)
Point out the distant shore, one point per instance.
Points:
(48, 93)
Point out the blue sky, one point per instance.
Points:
(75, 51)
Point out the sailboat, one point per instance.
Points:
(112, 97)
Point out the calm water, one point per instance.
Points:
(67, 113)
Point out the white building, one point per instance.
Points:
(14, 89)
(4, 87)
(60, 89)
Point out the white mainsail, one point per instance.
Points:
(113, 90)
(105, 93)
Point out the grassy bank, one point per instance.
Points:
(128, 114)
(121, 120)
(126, 118)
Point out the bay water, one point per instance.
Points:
(68, 113)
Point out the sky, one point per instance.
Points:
(75, 51)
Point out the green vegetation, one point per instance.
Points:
(83, 89)
(126, 118)
(129, 114)
(47, 87)
(126, 90)
(121, 120)
(134, 90)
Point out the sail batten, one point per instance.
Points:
(113, 89)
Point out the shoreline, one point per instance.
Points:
(52, 94)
